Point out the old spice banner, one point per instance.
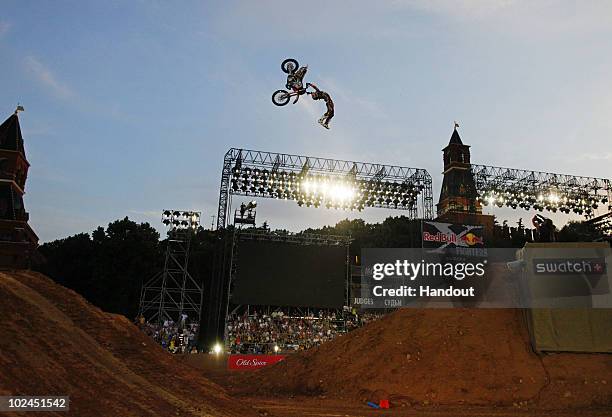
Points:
(252, 362)
(438, 235)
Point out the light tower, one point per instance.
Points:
(173, 291)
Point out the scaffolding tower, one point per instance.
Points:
(173, 292)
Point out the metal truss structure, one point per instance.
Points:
(316, 182)
(295, 238)
(541, 190)
(173, 291)
(603, 224)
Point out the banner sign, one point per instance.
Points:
(556, 276)
(458, 239)
(252, 362)
(449, 235)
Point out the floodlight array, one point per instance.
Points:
(324, 190)
(603, 223)
(323, 182)
(181, 219)
(505, 187)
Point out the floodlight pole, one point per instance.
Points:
(226, 174)
(173, 292)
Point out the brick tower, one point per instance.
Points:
(17, 239)
(458, 197)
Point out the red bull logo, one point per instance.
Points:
(440, 237)
(471, 239)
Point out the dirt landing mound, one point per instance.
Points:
(450, 357)
(52, 342)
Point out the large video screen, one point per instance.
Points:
(282, 274)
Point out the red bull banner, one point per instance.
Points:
(252, 362)
(462, 237)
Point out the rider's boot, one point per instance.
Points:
(322, 123)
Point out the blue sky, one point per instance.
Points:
(130, 105)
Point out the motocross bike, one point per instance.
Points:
(295, 74)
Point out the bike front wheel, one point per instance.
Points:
(281, 97)
(289, 66)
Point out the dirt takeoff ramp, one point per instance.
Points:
(53, 342)
(441, 357)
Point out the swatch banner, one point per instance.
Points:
(252, 362)
(572, 275)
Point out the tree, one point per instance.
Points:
(107, 268)
(68, 261)
(575, 231)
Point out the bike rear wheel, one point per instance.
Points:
(289, 66)
(281, 97)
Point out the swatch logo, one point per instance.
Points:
(587, 266)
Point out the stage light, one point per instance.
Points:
(276, 349)
(176, 219)
(217, 348)
(351, 188)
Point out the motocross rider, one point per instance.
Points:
(322, 95)
(295, 80)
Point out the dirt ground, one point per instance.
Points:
(53, 342)
(287, 405)
(440, 357)
(308, 407)
(427, 362)
(430, 360)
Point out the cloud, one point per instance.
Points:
(309, 107)
(520, 17)
(472, 9)
(596, 156)
(44, 76)
(403, 19)
(146, 213)
(4, 28)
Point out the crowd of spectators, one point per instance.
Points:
(261, 332)
(282, 332)
(174, 337)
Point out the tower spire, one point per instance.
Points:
(18, 239)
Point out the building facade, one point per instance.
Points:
(458, 201)
(18, 241)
